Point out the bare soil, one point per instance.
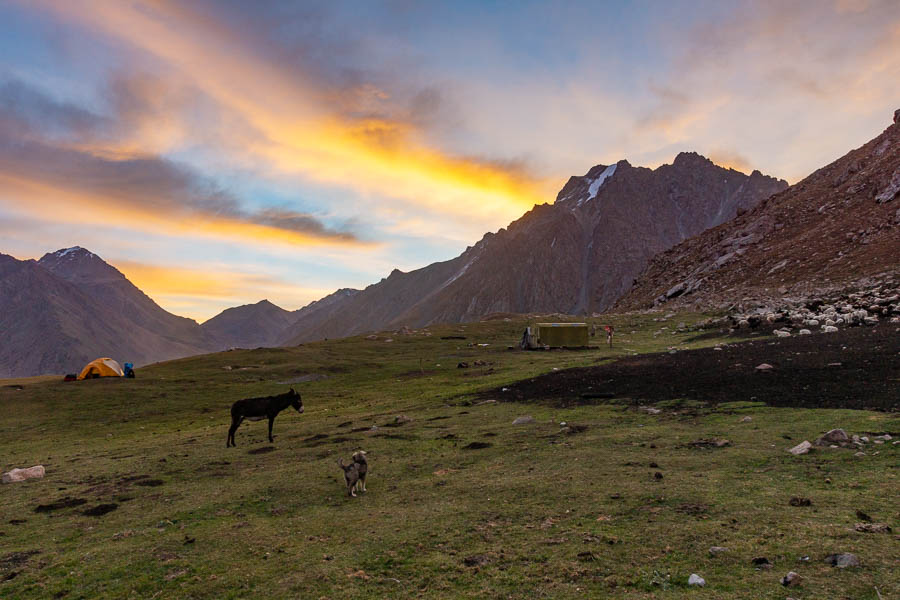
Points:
(855, 368)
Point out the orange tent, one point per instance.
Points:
(101, 367)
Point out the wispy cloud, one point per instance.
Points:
(350, 134)
(39, 151)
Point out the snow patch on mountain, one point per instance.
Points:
(70, 252)
(594, 186)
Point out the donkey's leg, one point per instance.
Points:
(235, 423)
(271, 421)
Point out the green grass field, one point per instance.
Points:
(539, 511)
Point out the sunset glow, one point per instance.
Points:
(222, 152)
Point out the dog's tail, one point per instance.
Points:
(342, 465)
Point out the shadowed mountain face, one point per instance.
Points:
(250, 325)
(839, 225)
(71, 307)
(575, 256)
(116, 294)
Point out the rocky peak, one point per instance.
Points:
(77, 264)
(579, 190)
(897, 117)
(690, 159)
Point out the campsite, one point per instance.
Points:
(618, 496)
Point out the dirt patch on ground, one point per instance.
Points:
(150, 482)
(99, 510)
(855, 368)
(477, 446)
(12, 561)
(60, 504)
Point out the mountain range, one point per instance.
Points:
(689, 232)
(576, 256)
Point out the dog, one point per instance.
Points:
(355, 473)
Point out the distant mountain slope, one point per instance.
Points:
(575, 256)
(70, 307)
(840, 224)
(46, 322)
(250, 325)
(116, 294)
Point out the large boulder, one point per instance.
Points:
(891, 191)
(36, 472)
(835, 436)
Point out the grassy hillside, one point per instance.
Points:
(461, 503)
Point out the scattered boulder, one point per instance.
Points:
(800, 501)
(872, 527)
(842, 561)
(801, 448)
(764, 367)
(462, 365)
(526, 420)
(746, 419)
(695, 579)
(16, 475)
(761, 562)
(835, 436)
(791, 579)
(717, 550)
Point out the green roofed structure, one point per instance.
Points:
(557, 335)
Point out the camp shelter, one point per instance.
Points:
(556, 335)
(101, 367)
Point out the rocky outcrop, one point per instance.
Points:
(891, 191)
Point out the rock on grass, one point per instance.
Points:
(842, 561)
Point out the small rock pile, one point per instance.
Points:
(867, 306)
(838, 438)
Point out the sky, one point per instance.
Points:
(222, 152)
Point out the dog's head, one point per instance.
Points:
(296, 401)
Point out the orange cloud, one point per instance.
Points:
(202, 292)
(53, 201)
